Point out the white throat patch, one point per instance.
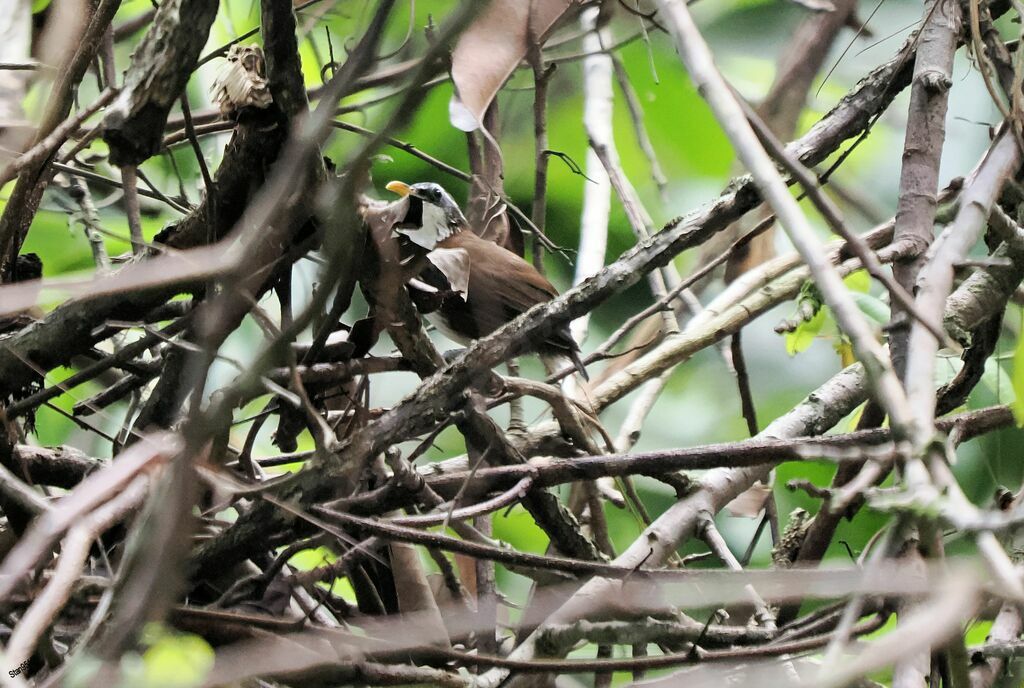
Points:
(433, 228)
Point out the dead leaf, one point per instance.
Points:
(487, 213)
(454, 265)
(750, 503)
(816, 5)
(381, 216)
(415, 595)
(491, 48)
(381, 271)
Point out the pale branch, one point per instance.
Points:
(99, 487)
(726, 315)
(884, 385)
(715, 489)
(925, 135)
(74, 552)
(24, 198)
(274, 200)
(935, 283)
(597, 120)
(1003, 643)
(654, 630)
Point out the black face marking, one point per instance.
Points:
(433, 194)
(414, 215)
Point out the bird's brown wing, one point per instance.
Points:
(501, 285)
(522, 288)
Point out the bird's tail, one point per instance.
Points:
(577, 362)
(555, 361)
(563, 346)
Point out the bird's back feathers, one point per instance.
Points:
(501, 286)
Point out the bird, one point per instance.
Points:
(470, 286)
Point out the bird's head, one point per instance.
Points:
(433, 214)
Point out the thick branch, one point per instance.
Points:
(926, 130)
(161, 66)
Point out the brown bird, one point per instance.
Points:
(469, 286)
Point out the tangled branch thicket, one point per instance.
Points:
(232, 455)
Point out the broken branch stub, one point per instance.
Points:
(242, 81)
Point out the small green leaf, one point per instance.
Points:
(518, 529)
(844, 348)
(799, 339)
(307, 559)
(858, 281)
(176, 660)
(872, 307)
(997, 382)
(39, 5)
(1018, 382)
(977, 633)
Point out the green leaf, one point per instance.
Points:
(874, 308)
(858, 281)
(977, 633)
(997, 382)
(799, 339)
(844, 348)
(1018, 382)
(307, 559)
(176, 660)
(517, 528)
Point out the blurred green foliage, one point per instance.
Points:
(170, 660)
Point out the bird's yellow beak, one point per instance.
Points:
(400, 188)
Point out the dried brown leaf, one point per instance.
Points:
(415, 595)
(381, 216)
(383, 274)
(487, 212)
(816, 5)
(489, 50)
(454, 265)
(750, 503)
